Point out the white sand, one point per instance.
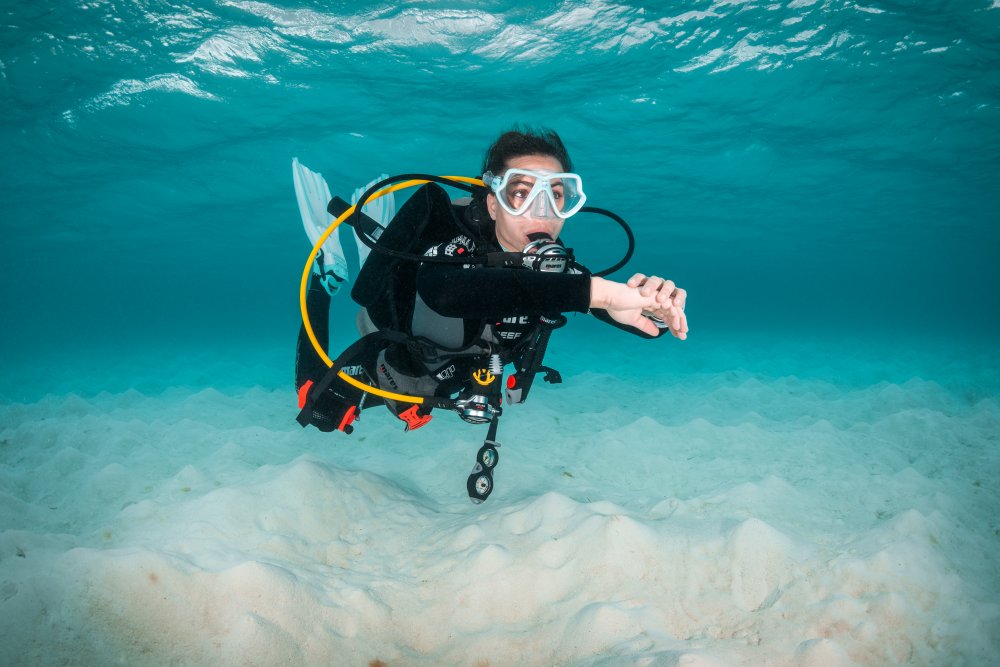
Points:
(794, 510)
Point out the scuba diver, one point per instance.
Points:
(452, 292)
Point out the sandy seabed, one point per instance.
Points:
(752, 516)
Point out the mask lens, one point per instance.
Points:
(569, 194)
(542, 193)
(519, 192)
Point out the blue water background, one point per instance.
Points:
(822, 170)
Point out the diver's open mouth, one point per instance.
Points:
(541, 229)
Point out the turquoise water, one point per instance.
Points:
(801, 167)
(808, 479)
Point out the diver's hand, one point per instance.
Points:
(670, 301)
(624, 304)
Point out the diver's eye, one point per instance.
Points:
(518, 191)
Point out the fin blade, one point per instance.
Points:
(313, 195)
(382, 210)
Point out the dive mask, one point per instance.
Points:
(539, 194)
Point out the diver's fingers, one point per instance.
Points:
(680, 298)
(680, 329)
(674, 318)
(648, 285)
(653, 286)
(665, 291)
(636, 280)
(669, 315)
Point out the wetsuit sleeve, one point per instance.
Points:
(603, 316)
(455, 291)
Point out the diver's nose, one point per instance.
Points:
(542, 207)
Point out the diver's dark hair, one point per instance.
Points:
(525, 141)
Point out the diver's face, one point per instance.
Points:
(512, 230)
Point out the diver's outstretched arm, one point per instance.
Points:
(631, 303)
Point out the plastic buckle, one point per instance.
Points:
(413, 418)
(349, 417)
(515, 393)
(304, 393)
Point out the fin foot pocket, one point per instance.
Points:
(332, 410)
